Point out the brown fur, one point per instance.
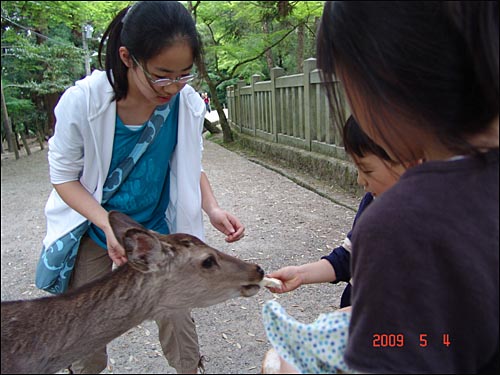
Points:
(176, 271)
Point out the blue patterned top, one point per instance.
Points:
(145, 194)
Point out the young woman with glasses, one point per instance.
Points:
(150, 51)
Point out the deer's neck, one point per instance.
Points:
(71, 326)
(113, 305)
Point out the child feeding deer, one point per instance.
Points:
(163, 272)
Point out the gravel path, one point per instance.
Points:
(286, 224)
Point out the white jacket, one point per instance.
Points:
(83, 142)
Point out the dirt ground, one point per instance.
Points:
(286, 224)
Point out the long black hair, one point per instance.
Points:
(434, 63)
(146, 28)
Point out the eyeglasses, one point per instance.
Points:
(162, 82)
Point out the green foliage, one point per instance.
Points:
(19, 105)
(42, 68)
(42, 50)
(21, 110)
(237, 34)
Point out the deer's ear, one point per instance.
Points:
(120, 223)
(143, 249)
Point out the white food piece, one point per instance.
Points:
(271, 282)
(271, 363)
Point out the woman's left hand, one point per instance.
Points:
(227, 224)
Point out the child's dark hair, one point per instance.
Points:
(145, 29)
(432, 63)
(358, 145)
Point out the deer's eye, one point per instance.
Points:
(209, 262)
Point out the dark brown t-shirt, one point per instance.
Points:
(425, 272)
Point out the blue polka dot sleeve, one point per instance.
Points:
(312, 348)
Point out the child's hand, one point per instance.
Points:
(289, 276)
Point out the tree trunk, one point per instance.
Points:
(284, 8)
(269, 53)
(300, 48)
(213, 129)
(16, 146)
(40, 137)
(25, 143)
(193, 9)
(49, 102)
(6, 124)
(227, 134)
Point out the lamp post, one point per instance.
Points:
(87, 31)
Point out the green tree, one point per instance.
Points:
(240, 38)
(42, 52)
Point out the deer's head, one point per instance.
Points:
(192, 273)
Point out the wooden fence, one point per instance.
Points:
(291, 110)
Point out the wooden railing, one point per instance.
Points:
(291, 110)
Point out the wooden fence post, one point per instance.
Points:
(275, 105)
(309, 66)
(239, 111)
(253, 103)
(230, 103)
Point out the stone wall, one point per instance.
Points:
(331, 170)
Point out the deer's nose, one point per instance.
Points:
(261, 271)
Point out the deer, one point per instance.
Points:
(163, 273)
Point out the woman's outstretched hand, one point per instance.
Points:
(227, 224)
